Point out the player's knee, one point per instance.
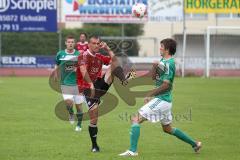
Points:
(79, 110)
(79, 107)
(69, 102)
(167, 130)
(135, 119)
(93, 117)
(108, 77)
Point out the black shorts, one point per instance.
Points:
(101, 88)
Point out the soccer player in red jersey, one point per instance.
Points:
(92, 84)
(82, 45)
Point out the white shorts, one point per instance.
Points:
(72, 93)
(157, 110)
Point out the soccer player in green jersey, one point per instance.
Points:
(66, 62)
(158, 102)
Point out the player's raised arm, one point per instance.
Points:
(104, 46)
(116, 69)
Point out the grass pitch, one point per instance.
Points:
(206, 109)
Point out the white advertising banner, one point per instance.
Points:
(100, 11)
(165, 10)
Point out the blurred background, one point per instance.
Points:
(208, 37)
(207, 33)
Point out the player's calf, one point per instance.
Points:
(93, 130)
(119, 73)
(69, 107)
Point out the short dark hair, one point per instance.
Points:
(69, 37)
(93, 36)
(85, 34)
(170, 44)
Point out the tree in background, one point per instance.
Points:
(129, 47)
(39, 43)
(27, 43)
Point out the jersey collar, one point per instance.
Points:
(83, 43)
(90, 53)
(167, 58)
(69, 52)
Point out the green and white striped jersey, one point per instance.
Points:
(67, 63)
(168, 74)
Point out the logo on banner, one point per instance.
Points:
(28, 4)
(4, 5)
(103, 11)
(76, 3)
(212, 6)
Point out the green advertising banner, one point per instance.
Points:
(212, 6)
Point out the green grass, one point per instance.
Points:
(29, 129)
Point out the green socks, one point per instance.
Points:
(135, 133)
(70, 110)
(184, 137)
(79, 118)
(134, 136)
